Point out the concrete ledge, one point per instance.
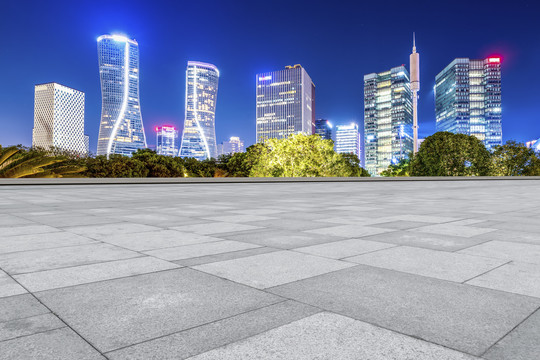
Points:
(138, 181)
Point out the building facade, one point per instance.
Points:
(199, 135)
(167, 140)
(59, 118)
(468, 99)
(347, 139)
(121, 129)
(388, 119)
(285, 103)
(323, 128)
(234, 145)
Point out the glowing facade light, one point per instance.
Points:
(199, 135)
(388, 118)
(121, 128)
(166, 140)
(285, 103)
(478, 113)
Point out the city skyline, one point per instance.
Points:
(337, 99)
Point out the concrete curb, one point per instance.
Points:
(141, 181)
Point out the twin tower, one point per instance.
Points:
(121, 129)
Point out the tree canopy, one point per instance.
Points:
(514, 159)
(448, 154)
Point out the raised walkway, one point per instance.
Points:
(274, 270)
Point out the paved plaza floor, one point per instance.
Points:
(367, 270)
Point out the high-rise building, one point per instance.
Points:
(166, 140)
(533, 144)
(285, 103)
(388, 118)
(121, 129)
(323, 128)
(199, 135)
(468, 99)
(347, 139)
(234, 145)
(59, 118)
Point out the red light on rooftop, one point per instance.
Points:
(157, 128)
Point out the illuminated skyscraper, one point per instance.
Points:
(234, 145)
(59, 118)
(468, 99)
(121, 129)
(285, 103)
(323, 128)
(199, 135)
(347, 139)
(414, 61)
(166, 140)
(388, 118)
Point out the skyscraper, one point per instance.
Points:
(199, 135)
(59, 118)
(323, 128)
(388, 118)
(234, 145)
(166, 140)
(121, 129)
(347, 139)
(468, 99)
(285, 103)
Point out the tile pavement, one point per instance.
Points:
(378, 270)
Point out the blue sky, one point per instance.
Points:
(336, 42)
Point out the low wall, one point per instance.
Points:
(125, 181)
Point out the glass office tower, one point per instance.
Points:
(166, 140)
(121, 128)
(388, 119)
(468, 99)
(59, 118)
(323, 128)
(347, 139)
(234, 145)
(199, 135)
(285, 103)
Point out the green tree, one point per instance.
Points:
(160, 165)
(514, 159)
(301, 156)
(402, 168)
(117, 166)
(448, 154)
(21, 162)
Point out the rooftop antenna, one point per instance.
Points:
(415, 87)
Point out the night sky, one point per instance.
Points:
(337, 42)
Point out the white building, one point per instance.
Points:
(234, 145)
(347, 139)
(59, 118)
(285, 103)
(166, 140)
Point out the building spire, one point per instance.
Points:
(414, 42)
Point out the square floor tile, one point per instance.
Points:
(151, 240)
(415, 305)
(60, 344)
(521, 344)
(29, 325)
(454, 230)
(432, 263)
(41, 241)
(518, 278)
(122, 312)
(198, 250)
(331, 336)
(344, 248)
(349, 231)
(57, 278)
(267, 270)
(6, 231)
(19, 307)
(282, 239)
(8, 286)
(507, 250)
(215, 228)
(47, 259)
(104, 230)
